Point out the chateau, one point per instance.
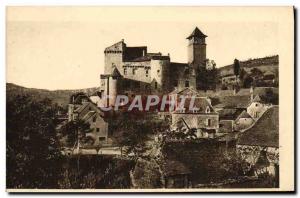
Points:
(133, 70)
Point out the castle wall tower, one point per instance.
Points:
(160, 75)
(197, 49)
(113, 57)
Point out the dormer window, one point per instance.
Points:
(207, 110)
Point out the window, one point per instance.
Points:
(125, 71)
(90, 108)
(94, 119)
(208, 122)
(155, 85)
(133, 71)
(97, 129)
(102, 139)
(158, 71)
(147, 72)
(187, 83)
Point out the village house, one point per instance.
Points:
(82, 108)
(204, 119)
(259, 145)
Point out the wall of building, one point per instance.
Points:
(256, 109)
(113, 57)
(100, 136)
(160, 74)
(137, 71)
(243, 123)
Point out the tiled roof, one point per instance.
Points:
(197, 33)
(229, 114)
(89, 115)
(234, 102)
(116, 73)
(256, 99)
(265, 132)
(244, 114)
(199, 102)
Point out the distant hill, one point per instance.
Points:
(269, 63)
(61, 97)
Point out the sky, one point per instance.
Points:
(62, 47)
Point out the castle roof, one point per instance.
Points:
(116, 73)
(197, 33)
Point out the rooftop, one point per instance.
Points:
(265, 132)
(197, 33)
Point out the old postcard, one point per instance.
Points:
(149, 99)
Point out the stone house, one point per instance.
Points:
(205, 120)
(82, 108)
(259, 145)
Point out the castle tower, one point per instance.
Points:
(197, 49)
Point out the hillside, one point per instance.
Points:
(269, 63)
(61, 97)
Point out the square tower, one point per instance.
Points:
(197, 49)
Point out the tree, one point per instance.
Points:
(133, 133)
(32, 151)
(236, 67)
(75, 131)
(242, 74)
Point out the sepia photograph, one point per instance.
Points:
(149, 99)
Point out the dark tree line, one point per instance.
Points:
(31, 147)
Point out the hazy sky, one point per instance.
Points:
(62, 47)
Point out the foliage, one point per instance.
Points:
(32, 150)
(76, 129)
(236, 67)
(133, 133)
(207, 79)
